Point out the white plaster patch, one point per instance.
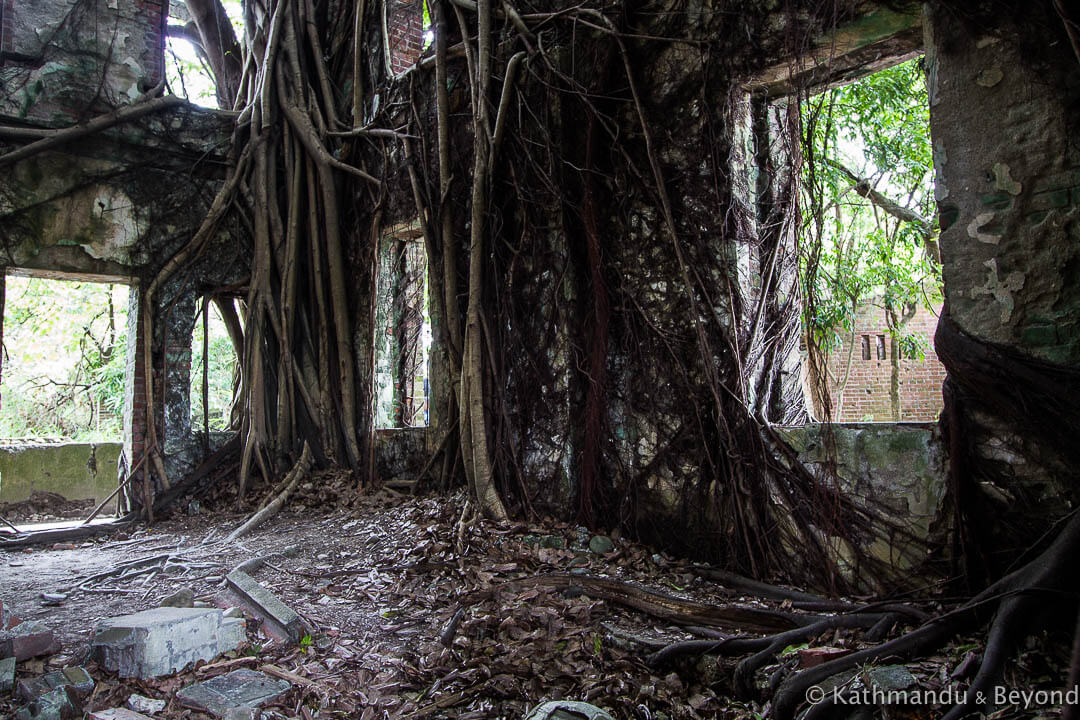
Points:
(1003, 181)
(1002, 292)
(989, 77)
(974, 229)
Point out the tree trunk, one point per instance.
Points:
(221, 48)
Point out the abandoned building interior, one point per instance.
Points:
(517, 412)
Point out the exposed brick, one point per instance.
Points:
(866, 395)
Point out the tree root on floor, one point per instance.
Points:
(1026, 600)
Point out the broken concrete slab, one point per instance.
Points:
(7, 674)
(162, 641)
(239, 689)
(118, 714)
(568, 710)
(75, 677)
(266, 605)
(26, 640)
(182, 598)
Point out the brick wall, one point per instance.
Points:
(153, 15)
(405, 33)
(866, 396)
(7, 24)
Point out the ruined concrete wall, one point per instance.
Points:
(897, 470)
(76, 471)
(62, 59)
(116, 205)
(1003, 99)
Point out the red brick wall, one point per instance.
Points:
(154, 13)
(866, 396)
(405, 33)
(7, 24)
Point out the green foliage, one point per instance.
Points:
(64, 359)
(856, 253)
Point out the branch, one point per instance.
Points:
(219, 43)
(863, 187)
(56, 138)
(923, 226)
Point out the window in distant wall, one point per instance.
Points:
(403, 330)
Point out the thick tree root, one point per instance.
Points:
(299, 470)
(1018, 596)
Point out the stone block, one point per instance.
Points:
(74, 677)
(118, 714)
(58, 704)
(239, 689)
(233, 631)
(161, 641)
(266, 604)
(26, 640)
(7, 674)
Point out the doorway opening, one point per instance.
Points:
(63, 392)
(870, 270)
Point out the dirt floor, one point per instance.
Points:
(380, 586)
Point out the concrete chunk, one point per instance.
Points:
(73, 677)
(118, 714)
(143, 704)
(239, 689)
(26, 640)
(161, 641)
(266, 604)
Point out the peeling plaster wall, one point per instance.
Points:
(1007, 158)
(1008, 190)
(62, 57)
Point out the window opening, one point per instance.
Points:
(403, 331)
(210, 340)
(870, 269)
(186, 68)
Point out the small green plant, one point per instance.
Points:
(305, 643)
(792, 649)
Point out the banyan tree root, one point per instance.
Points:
(292, 479)
(1020, 597)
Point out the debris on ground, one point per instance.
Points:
(409, 612)
(44, 506)
(263, 604)
(26, 640)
